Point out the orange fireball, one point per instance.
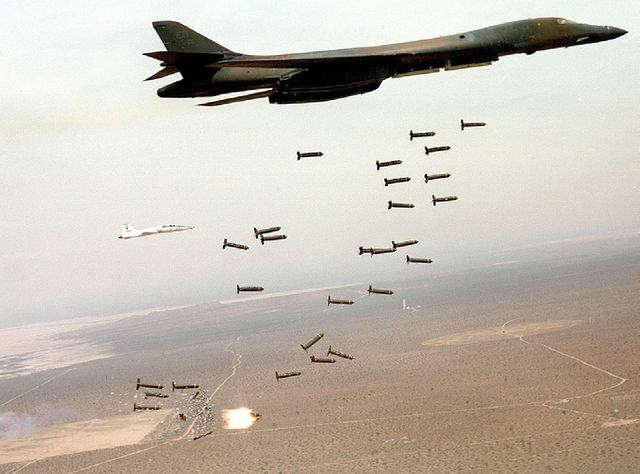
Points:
(239, 418)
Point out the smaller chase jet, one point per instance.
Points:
(129, 232)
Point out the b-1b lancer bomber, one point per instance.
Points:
(129, 232)
(209, 69)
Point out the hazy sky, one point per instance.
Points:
(87, 146)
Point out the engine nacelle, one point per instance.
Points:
(320, 94)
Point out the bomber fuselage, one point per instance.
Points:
(326, 75)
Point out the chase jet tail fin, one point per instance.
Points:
(178, 38)
(127, 231)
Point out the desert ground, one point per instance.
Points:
(530, 366)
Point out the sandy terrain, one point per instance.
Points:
(557, 391)
(69, 438)
(503, 332)
(45, 346)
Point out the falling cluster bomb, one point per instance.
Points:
(434, 149)
(240, 289)
(309, 154)
(186, 386)
(388, 181)
(312, 342)
(464, 124)
(443, 199)
(339, 354)
(268, 230)
(155, 395)
(383, 164)
(377, 291)
(265, 235)
(148, 385)
(403, 244)
(413, 134)
(334, 301)
(381, 250)
(137, 407)
(322, 360)
(436, 176)
(400, 205)
(226, 244)
(286, 375)
(268, 238)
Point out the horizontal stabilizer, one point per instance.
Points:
(166, 56)
(170, 57)
(242, 98)
(181, 62)
(167, 71)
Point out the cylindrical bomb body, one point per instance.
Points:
(248, 288)
(435, 176)
(388, 181)
(382, 164)
(267, 238)
(322, 360)
(403, 244)
(259, 232)
(400, 205)
(312, 341)
(308, 154)
(413, 134)
(379, 291)
(428, 150)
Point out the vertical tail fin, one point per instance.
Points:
(127, 232)
(178, 38)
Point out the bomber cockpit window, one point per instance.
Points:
(561, 21)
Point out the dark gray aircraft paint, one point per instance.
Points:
(209, 69)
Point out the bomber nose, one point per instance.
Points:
(617, 32)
